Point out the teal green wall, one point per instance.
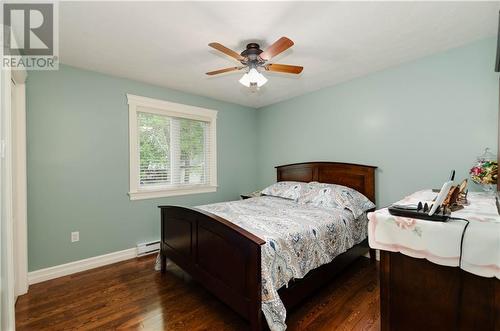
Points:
(415, 122)
(78, 164)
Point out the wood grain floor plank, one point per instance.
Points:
(130, 295)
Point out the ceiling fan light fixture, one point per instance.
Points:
(254, 59)
(252, 78)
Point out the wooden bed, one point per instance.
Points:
(226, 259)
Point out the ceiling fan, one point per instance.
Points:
(253, 59)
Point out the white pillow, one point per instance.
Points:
(334, 196)
(287, 190)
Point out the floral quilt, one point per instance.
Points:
(299, 238)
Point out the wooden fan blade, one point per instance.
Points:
(284, 68)
(221, 71)
(279, 46)
(226, 51)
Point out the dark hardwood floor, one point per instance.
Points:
(131, 295)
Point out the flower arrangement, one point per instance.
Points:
(485, 171)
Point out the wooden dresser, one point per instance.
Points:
(416, 294)
(439, 276)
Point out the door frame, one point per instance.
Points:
(13, 191)
(7, 235)
(19, 182)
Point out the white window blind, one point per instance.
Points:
(174, 149)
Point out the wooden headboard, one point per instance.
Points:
(356, 176)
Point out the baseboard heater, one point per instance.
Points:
(148, 248)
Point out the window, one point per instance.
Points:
(172, 148)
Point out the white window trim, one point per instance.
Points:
(172, 109)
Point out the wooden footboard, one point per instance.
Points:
(222, 256)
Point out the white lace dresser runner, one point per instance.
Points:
(439, 242)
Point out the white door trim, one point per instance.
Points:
(7, 237)
(12, 204)
(19, 180)
(19, 185)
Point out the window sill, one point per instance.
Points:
(153, 194)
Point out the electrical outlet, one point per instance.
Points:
(75, 236)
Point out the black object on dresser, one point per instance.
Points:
(420, 212)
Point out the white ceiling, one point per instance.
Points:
(165, 43)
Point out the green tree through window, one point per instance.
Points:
(157, 138)
(192, 141)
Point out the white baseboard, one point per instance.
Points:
(57, 271)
